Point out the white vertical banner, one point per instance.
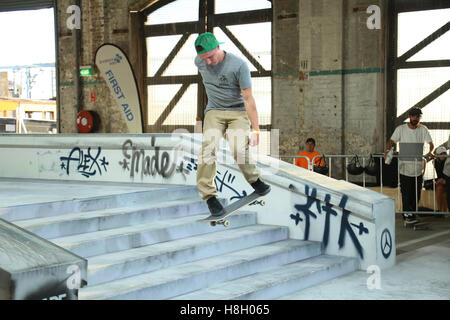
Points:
(116, 69)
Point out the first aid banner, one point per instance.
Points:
(116, 69)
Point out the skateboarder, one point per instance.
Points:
(231, 106)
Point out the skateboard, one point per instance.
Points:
(417, 225)
(251, 200)
(421, 226)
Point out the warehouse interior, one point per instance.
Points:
(345, 73)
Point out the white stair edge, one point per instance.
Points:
(170, 282)
(163, 230)
(99, 220)
(166, 254)
(279, 281)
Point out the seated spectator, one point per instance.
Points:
(310, 153)
(441, 187)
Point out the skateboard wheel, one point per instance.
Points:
(226, 223)
(212, 223)
(263, 203)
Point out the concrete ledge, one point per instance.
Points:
(351, 221)
(32, 268)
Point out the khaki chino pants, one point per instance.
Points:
(235, 125)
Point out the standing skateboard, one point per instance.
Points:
(421, 226)
(251, 199)
(417, 225)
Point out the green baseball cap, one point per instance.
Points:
(206, 42)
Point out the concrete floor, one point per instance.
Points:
(422, 271)
(423, 257)
(420, 274)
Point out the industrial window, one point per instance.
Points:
(175, 93)
(27, 68)
(420, 69)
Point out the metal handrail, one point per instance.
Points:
(380, 156)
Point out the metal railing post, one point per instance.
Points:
(434, 188)
(364, 172)
(381, 174)
(398, 186)
(400, 164)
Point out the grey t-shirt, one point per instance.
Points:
(224, 82)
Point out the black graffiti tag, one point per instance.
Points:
(346, 227)
(159, 163)
(87, 164)
(226, 180)
(182, 170)
(386, 243)
(328, 208)
(221, 181)
(296, 218)
(305, 208)
(361, 228)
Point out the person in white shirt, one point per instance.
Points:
(411, 171)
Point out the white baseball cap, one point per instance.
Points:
(440, 150)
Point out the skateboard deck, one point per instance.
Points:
(417, 225)
(421, 226)
(251, 199)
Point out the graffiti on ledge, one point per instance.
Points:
(87, 163)
(161, 163)
(223, 180)
(345, 226)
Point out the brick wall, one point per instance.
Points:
(328, 80)
(102, 22)
(332, 87)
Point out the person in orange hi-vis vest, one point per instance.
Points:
(310, 153)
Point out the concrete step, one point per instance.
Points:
(132, 262)
(278, 282)
(126, 199)
(181, 279)
(118, 239)
(105, 219)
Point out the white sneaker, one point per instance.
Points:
(411, 220)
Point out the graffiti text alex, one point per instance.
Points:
(87, 163)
